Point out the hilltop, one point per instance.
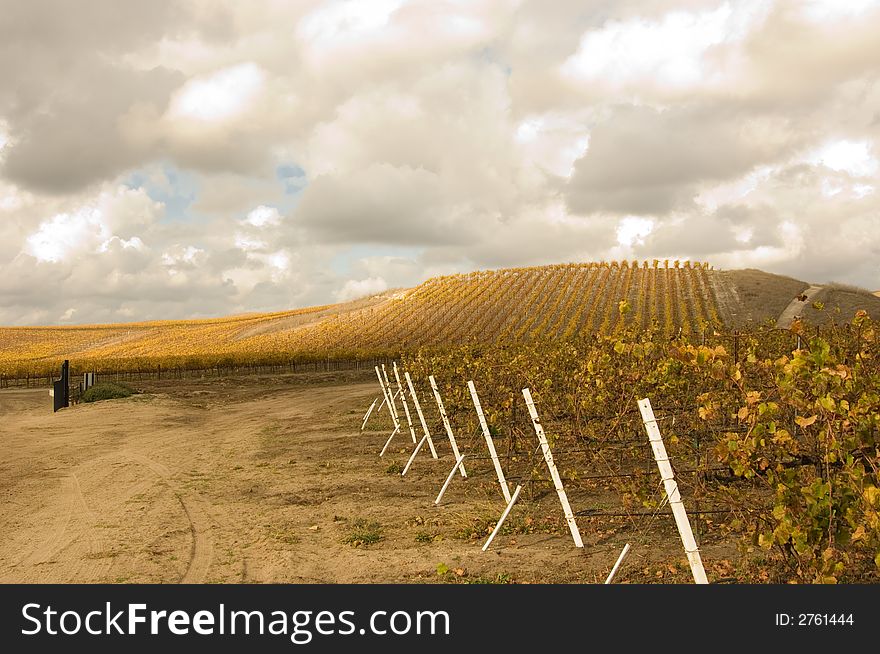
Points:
(558, 301)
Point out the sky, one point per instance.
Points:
(192, 158)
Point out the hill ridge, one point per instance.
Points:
(559, 301)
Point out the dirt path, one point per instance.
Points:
(796, 307)
(257, 480)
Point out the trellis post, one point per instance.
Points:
(390, 401)
(412, 431)
(391, 396)
(415, 399)
(620, 559)
(367, 415)
(446, 424)
(488, 437)
(448, 479)
(503, 517)
(554, 473)
(672, 493)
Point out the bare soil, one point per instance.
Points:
(269, 479)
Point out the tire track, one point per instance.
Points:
(73, 534)
(195, 509)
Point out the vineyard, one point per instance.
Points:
(773, 433)
(515, 305)
(775, 438)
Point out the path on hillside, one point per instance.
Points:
(796, 307)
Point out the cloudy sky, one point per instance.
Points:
(183, 159)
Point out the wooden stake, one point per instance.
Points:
(415, 399)
(446, 424)
(671, 488)
(554, 473)
(488, 437)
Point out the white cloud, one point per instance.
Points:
(133, 243)
(355, 288)
(67, 233)
(183, 256)
(347, 20)
(553, 142)
(219, 96)
(853, 157)
(117, 214)
(632, 229)
(733, 191)
(861, 190)
(287, 149)
(263, 216)
(279, 260)
(249, 243)
(672, 51)
(824, 10)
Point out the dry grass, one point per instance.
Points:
(762, 295)
(840, 302)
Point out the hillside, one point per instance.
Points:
(558, 301)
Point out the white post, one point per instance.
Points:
(391, 403)
(415, 399)
(388, 396)
(554, 473)
(369, 411)
(449, 479)
(446, 423)
(388, 442)
(502, 518)
(386, 392)
(413, 455)
(617, 565)
(671, 488)
(498, 471)
(412, 432)
(385, 399)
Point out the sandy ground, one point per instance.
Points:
(262, 480)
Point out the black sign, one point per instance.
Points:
(61, 387)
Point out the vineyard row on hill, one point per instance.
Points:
(505, 306)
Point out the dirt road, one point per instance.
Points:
(796, 307)
(254, 480)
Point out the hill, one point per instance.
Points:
(559, 301)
